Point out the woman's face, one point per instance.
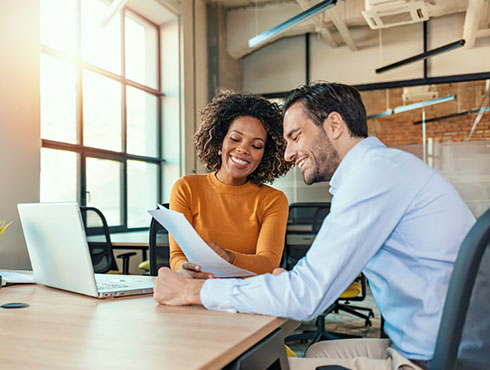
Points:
(242, 150)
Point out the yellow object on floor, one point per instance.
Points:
(290, 352)
(145, 265)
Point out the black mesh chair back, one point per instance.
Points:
(308, 217)
(463, 341)
(304, 221)
(158, 250)
(100, 251)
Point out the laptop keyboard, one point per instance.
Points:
(103, 285)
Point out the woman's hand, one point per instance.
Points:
(278, 271)
(228, 256)
(194, 270)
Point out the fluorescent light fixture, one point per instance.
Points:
(473, 111)
(405, 108)
(427, 54)
(301, 17)
(388, 112)
(440, 118)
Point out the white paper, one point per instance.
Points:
(194, 248)
(17, 277)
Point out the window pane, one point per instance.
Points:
(141, 51)
(101, 46)
(141, 122)
(101, 112)
(142, 192)
(58, 100)
(58, 25)
(104, 188)
(58, 175)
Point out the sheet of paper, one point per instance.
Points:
(17, 277)
(194, 248)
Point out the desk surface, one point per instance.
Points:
(66, 330)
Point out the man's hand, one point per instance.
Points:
(175, 288)
(194, 271)
(227, 255)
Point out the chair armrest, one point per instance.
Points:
(125, 261)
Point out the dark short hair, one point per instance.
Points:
(322, 98)
(217, 117)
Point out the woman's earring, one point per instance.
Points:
(219, 152)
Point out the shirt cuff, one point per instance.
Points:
(216, 294)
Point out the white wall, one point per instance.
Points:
(19, 121)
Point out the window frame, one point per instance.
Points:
(123, 156)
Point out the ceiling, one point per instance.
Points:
(334, 24)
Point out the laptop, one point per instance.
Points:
(60, 257)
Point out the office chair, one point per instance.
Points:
(463, 340)
(101, 252)
(158, 256)
(304, 222)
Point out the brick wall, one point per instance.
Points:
(398, 129)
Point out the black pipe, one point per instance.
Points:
(442, 49)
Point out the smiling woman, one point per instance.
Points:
(244, 221)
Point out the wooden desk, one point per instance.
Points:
(62, 330)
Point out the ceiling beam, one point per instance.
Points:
(320, 24)
(471, 21)
(342, 28)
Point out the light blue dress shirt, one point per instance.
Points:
(393, 218)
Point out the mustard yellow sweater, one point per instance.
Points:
(248, 220)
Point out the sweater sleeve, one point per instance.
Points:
(270, 242)
(180, 201)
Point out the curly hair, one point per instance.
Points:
(217, 117)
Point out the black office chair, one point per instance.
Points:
(158, 256)
(101, 251)
(304, 222)
(463, 340)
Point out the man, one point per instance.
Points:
(392, 217)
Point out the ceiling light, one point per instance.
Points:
(405, 108)
(301, 17)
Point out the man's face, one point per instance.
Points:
(308, 146)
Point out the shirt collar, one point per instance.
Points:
(352, 157)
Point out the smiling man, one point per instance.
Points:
(392, 217)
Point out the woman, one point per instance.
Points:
(244, 221)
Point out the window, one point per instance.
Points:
(101, 110)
